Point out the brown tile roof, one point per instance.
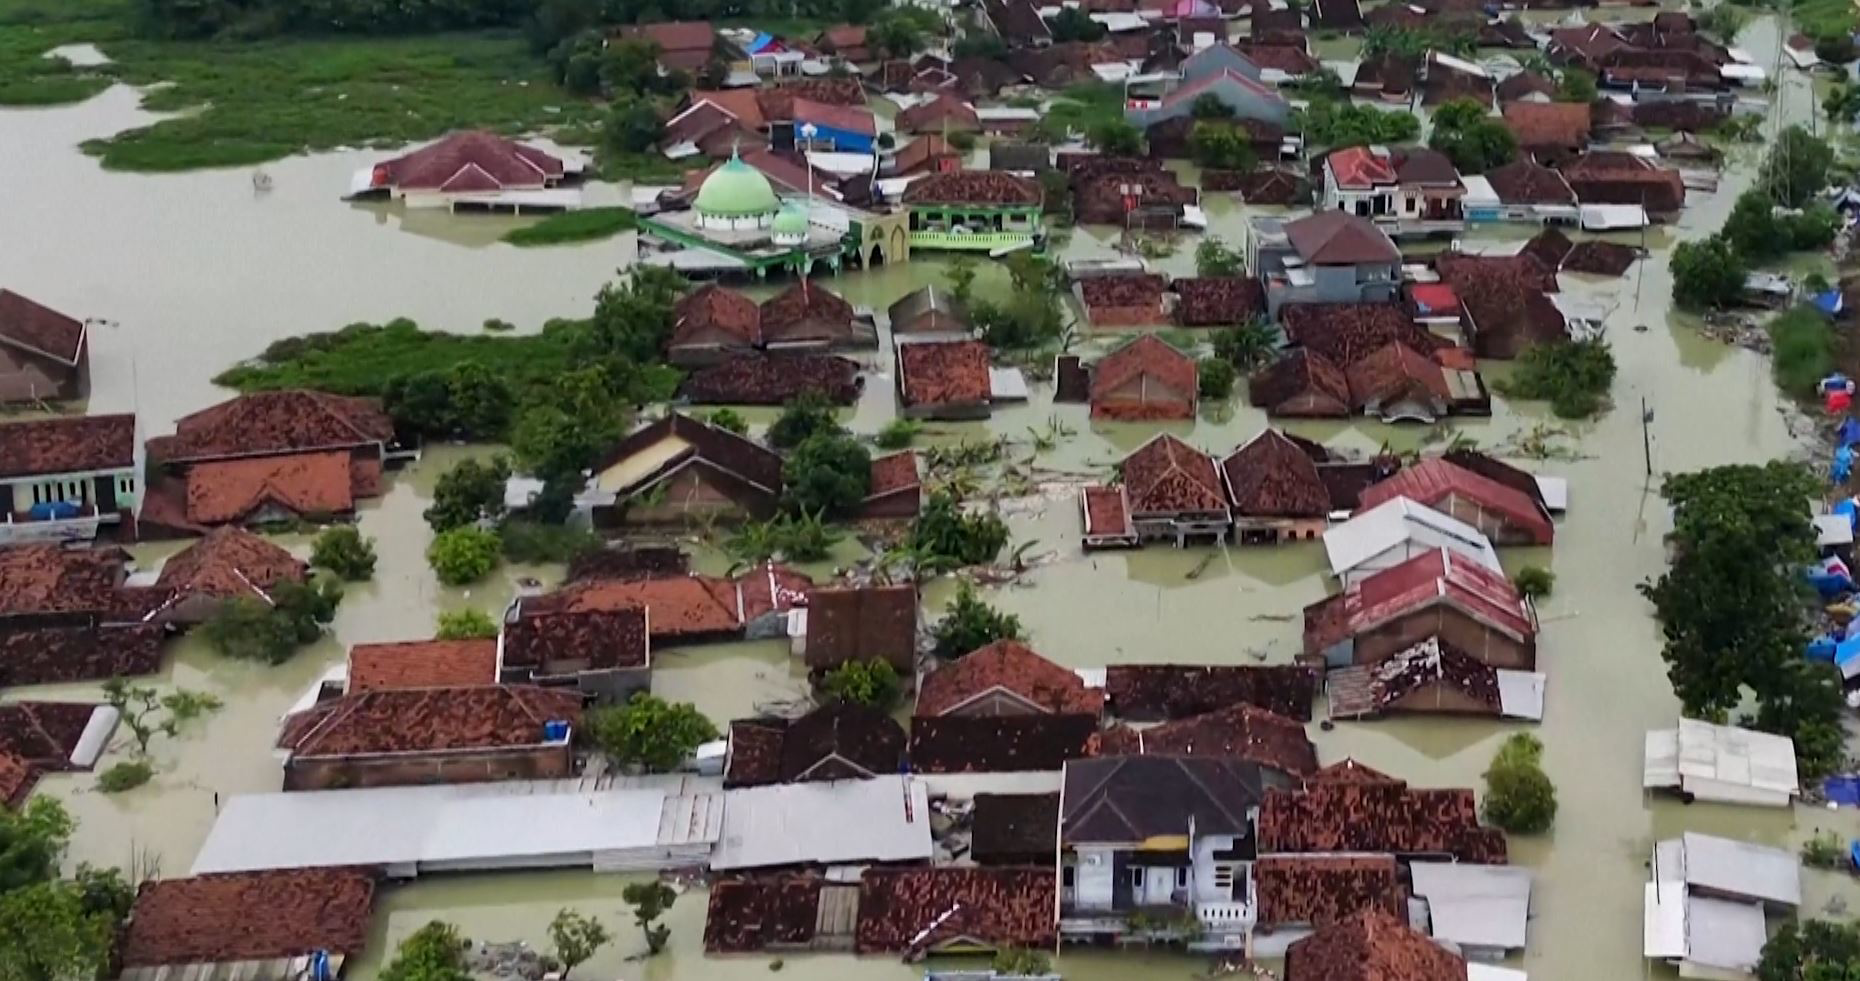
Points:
(1238, 731)
(1007, 666)
(232, 917)
(1323, 889)
(1623, 178)
(1288, 58)
(1600, 258)
(899, 909)
(423, 664)
(714, 308)
(1436, 478)
(920, 153)
(1367, 814)
(1099, 197)
(36, 579)
(1419, 165)
(1395, 371)
(43, 734)
(301, 483)
(584, 640)
(770, 588)
(807, 312)
(894, 472)
(1525, 83)
(1548, 125)
(1106, 511)
(1506, 301)
(953, 373)
(757, 379)
(68, 444)
(1446, 83)
(1166, 475)
(229, 562)
(998, 743)
(1015, 829)
(275, 422)
(1213, 301)
(1371, 946)
(1157, 692)
(1524, 182)
(754, 754)
(974, 187)
(1270, 476)
(945, 112)
(757, 913)
(40, 329)
(1154, 362)
(427, 720)
(52, 655)
(1302, 374)
(1347, 332)
(847, 624)
(1685, 117)
(680, 607)
(17, 778)
(1268, 185)
(738, 457)
(835, 741)
(1123, 290)
(1549, 247)
(471, 160)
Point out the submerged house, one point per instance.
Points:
(838, 741)
(44, 354)
(1725, 764)
(1406, 191)
(474, 170)
(1435, 677)
(64, 478)
(1175, 492)
(975, 210)
(1505, 514)
(1005, 678)
(956, 910)
(266, 926)
(603, 654)
(1368, 945)
(861, 624)
(1240, 731)
(1145, 379)
(1302, 384)
(711, 324)
(68, 615)
(680, 469)
(1396, 530)
(227, 563)
(1275, 490)
(1707, 899)
(1436, 594)
(951, 380)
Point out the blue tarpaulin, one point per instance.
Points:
(1828, 303)
(1842, 790)
(1849, 433)
(1821, 648)
(1846, 654)
(1830, 577)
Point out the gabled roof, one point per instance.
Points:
(832, 742)
(1014, 670)
(228, 562)
(486, 160)
(998, 743)
(1168, 475)
(592, 640)
(849, 624)
(416, 720)
(712, 307)
(1420, 166)
(975, 187)
(51, 655)
(753, 378)
(953, 373)
(1301, 371)
(1433, 578)
(926, 301)
(304, 484)
(851, 119)
(49, 579)
(1351, 808)
(1145, 356)
(1524, 84)
(754, 913)
(261, 423)
(1270, 476)
(423, 664)
(67, 445)
(1360, 168)
(805, 312)
(1239, 731)
(1395, 371)
(1435, 479)
(1335, 238)
(1561, 125)
(681, 606)
(1525, 182)
(33, 327)
(1371, 945)
(1227, 78)
(913, 910)
(1127, 799)
(1396, 521)
(943, 110)
(1345, 333)
(1336, 15)
(735, 455)
(234, 918)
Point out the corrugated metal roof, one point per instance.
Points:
(1475, 905)
(1719, 754)
(885, 819)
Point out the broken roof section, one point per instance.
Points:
(1243, 732)
(914, 911)
(1722, 763)
(1435, 676)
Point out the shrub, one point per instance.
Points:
(828, 474)
(127, 775)
(1574, 376)
(1214, 258)
(343, 551)
(874, 684)
(1216, 378)
(797, 537)
(1824, 851)
(729, 420)
(806, 415)
(470, 492)
(463, 556)
(898, 434)
(497, 326)
(649, 732)
(1707, 273)
(1535, 581)
(465, 625)
(250, 629)
(970, 624)
(1023, 962)
(1518, 794)
(1801, 350)
(944, 533)
(532, 542)
(584, 225)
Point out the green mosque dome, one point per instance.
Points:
(736, 190)
(792, 222)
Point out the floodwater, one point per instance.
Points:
(200, 270)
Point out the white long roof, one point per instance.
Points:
(885, 819)
(1475, 905)
(1727, 867)
(1722, 754)
(1399, 521)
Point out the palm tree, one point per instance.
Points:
(1248, 345)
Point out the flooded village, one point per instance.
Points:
(1012, 492)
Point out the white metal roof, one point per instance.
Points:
(1475, 905)
(885, 819)
(1479, 192)
(1833, 529)
(1743, 73)
(512, 824)
(1521, 694)
(1460, 64)
(1476, 971)
(1724, 934)
(1604, 217)
(1007, 385)
(1400, 521)
(1721, 754)
(1729, 867)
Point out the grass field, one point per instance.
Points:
(567, 227)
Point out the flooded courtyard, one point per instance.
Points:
(199, 270)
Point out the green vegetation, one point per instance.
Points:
(1022, 961)
(729, 420)
(462, 556)
(464, 625)
(1760, 233)
(1576, 85)
(829, 474)
(29, 28)
(808, 415)
(1709, 272)
(1574, 376)
(1811, 950)
(1723, 21)
(1329, 124)
(1222, 145)
(575, 938)
(1116, 138)
(253, 630)
(54, 929)
(649, 733)
(1824, 19)
(1824, 851)
(1731, 606)
(1518, 794)
(898, 434)
(1802, 346)
(650, 900)
(1216, 378)
(343, 551)
(1214, 258)
(434, 952)
(1074, 24)
(1474, 141)
(470, 493)
(465, 401)
(945, 534)
(1534, 581)
(970, 624)
(1413, 43)
(796, 537)
(585, 225)
(1797, 168)
(1032, 315)
(532, 542)
(146, 712)
(874, 684)
(125, 776)
(1082, 109)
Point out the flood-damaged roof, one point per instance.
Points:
(1323, 889)
(1371, 945)
(67, 445)
(1166, 475)
(1012, 829)
(1239, 731)
(233, 918)
(998, 743)
(1010, 669)
(415, 720)
(1158, 692)
(910, 910)
(1355, 809)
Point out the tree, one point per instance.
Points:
(1331, 123)
(729, 420)
(944, 531)
(1115, 138)
(970, 623)
(1797, 168)
(981, 44)
(631, 64)
(806, 415)
(1518, 794)
(634, 317)
(960, 275)
(631, 126)
(137, 707)
(32, 841)
(650, 900)
(1752, 227)
(251, 629)
(1723, 21)
(1574, 376)
(1576, 85)
(466, 401)
(1207, 105)
(1247, 346)
(465, 624)
(1022, 961)
(1216, 378)
(434, 952)
(1812, 950)
(575, 938)
(343, 551)
(558, 436)
(649, 732)
(829, 473)
(463, 556)
(1222, 146)
(874, 684)
(1073, 24)
(896, 36)
(1474, 141)
(1707, 273)
(46, 934)
(469, 493)
(1534, 581)
(1214, 259)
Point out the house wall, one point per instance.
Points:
(898, 504)
(1437, 697)
(1309, 404)
(691, 495)
(1094, 881)
(1365, 283)
(1275, 530)
(1455, 628)
(549, 762)
(1498, 527)
(28, 377)
(79, 488)
(1143, 397)
(609, 686)
(1406, 407)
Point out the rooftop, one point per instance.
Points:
(237, 917)
(474, 161)
(1158, 692)
(975, 187)
(953, 373)
(38, 328)
(1241, 731)
(1011, 670)
(66, 444)
(1218, 301)
(1167, 475)
(303, 484)
(1371, 945)
(1015, 828)
(1360, 168)
(998, 743)
(754, 913)
(228, 562)
(1324, 889)
(1560, 125)
(884, 819)
(1149, 358)
(758, 379)
(832, 742)
(846, 624)
(422, 664)
(51, 655)
(1304, 375)
(425, 720)
(738, 456)
(1434, 578)
(804, 312)
(715, 309)
(579, 640)
(1395, 371)
(1525, 182)
(1270, 476)
(37, 579)
(1354, 809)
(681, 607)
(261, 423)
(1347, 332)
(1127, 799)
(1434, 480)
(908, 910)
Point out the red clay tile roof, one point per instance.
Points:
(806, 312)
(491, 160)
(1011, 667)
(1106, 511)
(1304, 373)
(1158, 692)
(232, 917)
(43, 734)
(1433, 578)
(944, 111)
(996, 907)
(851, 119)
(1271, 477)
(753, 757)
(1334, 238)
(1600, 258)
(1558, 125)
(769, 587)
(758, 379)
(301, 483)
(1433, 480)
(1524, 182)
(1360, 168)
(1288, 58)
(40, 329)
(1506, 301)
(38, 579)
(1123, 290)
(1213, 301)
(1365, 814)
(1549, 247)
(1239, 731)
(974, 187)
(585, 640)
(1623, 178)
(1347, 332)
(741, 458)
(714, 308)
(953, 373)
(229, 562)
(51, 655)
(998, 743)
(423, 664)
(1432, 300)
(68, 444)
(756, 913)
(1153, 361)
(1166, 475)
(1525, 83)
(894, 472)
(428, 720)
(861, 624)
(275, 422)
(1395, 371)
(679, 606)
(683, 45)
(1371, 946)
(17, 778)
(1323, 889)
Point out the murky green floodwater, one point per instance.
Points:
(201, 270)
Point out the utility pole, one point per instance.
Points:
(1646, 436)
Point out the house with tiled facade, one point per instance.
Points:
(67, 478)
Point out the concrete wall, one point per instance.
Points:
(1452, 626)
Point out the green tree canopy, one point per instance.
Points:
(1797, 168)
(649, 732)
(944, 530)
(463, 556)
(971, 623)
(575, 937)
(827, 474)
(1214, 258)
(807, 414)
(873, 683)
(1708, 273)
(434, 952)
(1473, 140)
(470, 492)
(1115, 137)
(344, 551)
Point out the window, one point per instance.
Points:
(1223, 877)
(1181, 877)
(1066, 876)
(1136, 878)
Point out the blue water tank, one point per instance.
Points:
(555, 731)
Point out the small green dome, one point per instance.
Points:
(791, 222)
(736, 190)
